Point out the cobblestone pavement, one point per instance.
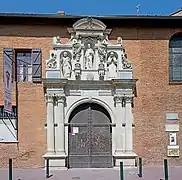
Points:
(149, 173)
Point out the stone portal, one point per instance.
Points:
(89, 70)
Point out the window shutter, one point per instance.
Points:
(36, 65)
(8, 53)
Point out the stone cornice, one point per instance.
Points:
(97, 85)
(65, 82)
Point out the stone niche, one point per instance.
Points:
(88, 55)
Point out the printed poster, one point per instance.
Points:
(75, 130)
(7, 85)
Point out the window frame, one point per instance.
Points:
(16, 51)
(4, 117)
(36, 64)
(175, 50)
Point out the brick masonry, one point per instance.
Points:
(146, 48)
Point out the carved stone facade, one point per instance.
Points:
(89, 69)
(88, 51)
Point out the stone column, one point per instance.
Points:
(50, 124)
(59, 128)
(129, 121)
(119, 129)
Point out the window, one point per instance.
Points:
(8, 125)
(175, 53)
(27, 64)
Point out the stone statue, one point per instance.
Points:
(77, 47)
(120, 41)
(112, 64)
(89, 57)
(52, 63)
(102, 51)
(126, 63)
(57, 40)
(66, 64)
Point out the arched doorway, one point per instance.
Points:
(90, 137)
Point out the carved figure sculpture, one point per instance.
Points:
(57, 40)
(112, 64)
(102, 51)
(52, 63)
(120, 41)
(89, 57)
(66, 64)
(77, 47)
(126, 63)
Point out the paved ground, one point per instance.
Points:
(149, 173)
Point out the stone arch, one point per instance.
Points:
(93, 106)
(89, 100)
(89, 136)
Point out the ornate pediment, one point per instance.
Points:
(89, 27)
(88, 55)
(89, 24)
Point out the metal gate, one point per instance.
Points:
(90, 138)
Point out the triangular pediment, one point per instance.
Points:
(90, 24)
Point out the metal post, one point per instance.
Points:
(10, 170)
(47, 168)
(165, 169)
(17, 128)
(140, 167)
(121, 171)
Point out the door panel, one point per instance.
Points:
(101, 142)
(90, 143)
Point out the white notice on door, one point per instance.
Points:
(75, 130)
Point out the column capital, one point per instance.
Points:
(61, 98)
(49, 98)
(118, 99)
(123, 99)
(129, 99)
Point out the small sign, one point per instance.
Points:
(75, 130)
(172, 139)
(173, 152)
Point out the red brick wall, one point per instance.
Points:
(146, 48)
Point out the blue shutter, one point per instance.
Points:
(8, 53)
(36, 65)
